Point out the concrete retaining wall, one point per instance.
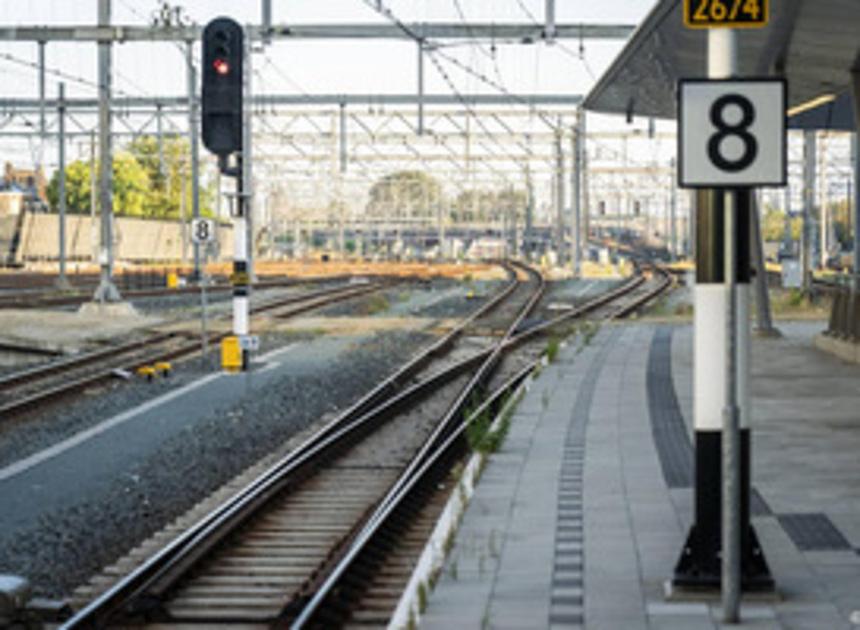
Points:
(136, 240)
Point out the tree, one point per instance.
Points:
(405, 194)
(130, 183)
(141, 187)
(165, 200)
(773, 224)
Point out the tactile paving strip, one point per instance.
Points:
(566, 599)
(667, 423)
(813, 532)
(670, 434)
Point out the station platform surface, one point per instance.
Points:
(579, 518)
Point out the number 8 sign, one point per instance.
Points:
(202, 230)
(732, 133)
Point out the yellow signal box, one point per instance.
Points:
(231, 354)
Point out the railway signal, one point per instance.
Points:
(223, 56)
(223, 133)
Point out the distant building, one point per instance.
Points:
(11, 203)
(29, 183)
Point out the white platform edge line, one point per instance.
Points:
(79, 438)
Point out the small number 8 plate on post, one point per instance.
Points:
(202, 230)
(731, 132)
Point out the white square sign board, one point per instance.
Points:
(732, 132)
(203, 230)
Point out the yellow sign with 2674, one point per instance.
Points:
(726, 13)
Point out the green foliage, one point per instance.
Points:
(141, 189)
(422, 598)
(773, 224)
(377, 303)
(552, 347)
(130, 181)
(478, 433)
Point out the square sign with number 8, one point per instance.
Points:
(202, 230)
(732, 133)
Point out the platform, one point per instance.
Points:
(579, 519)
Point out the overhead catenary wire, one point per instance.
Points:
(384, 10)
(580, 56)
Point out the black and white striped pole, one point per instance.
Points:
(732, 138)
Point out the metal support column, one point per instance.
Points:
(560, 248)
(549, 29)
(42, 104)
(420, 87)
(807, 230)
(62, 280)
(106, 291)
(195, 149)
(266, 13)
(586, 201)
(764, 322)
(856, 141)
(94, 248)
(576, 195)
(528, 236)
(673, 212)
(159, 131)
(344, 158)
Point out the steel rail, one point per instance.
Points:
(326, 607)
(324, 610)
(216, 525)
(49, 299)
(20, 404)
(164, 566)
(419, 462)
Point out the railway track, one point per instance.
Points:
(46, 299)
(365, 588)
(275, 550)
(36, 387)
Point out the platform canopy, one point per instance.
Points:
(813, 43)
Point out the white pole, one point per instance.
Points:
(722, 63)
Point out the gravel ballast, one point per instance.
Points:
(62, 547)
(58, 546)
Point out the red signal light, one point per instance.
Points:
(222, 66)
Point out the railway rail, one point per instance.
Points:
(47, 299)
(43, 384)
(278, 548)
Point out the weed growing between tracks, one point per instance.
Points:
(552, 347)
(377, 304)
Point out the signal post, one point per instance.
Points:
(222, 127)
(732, 138)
